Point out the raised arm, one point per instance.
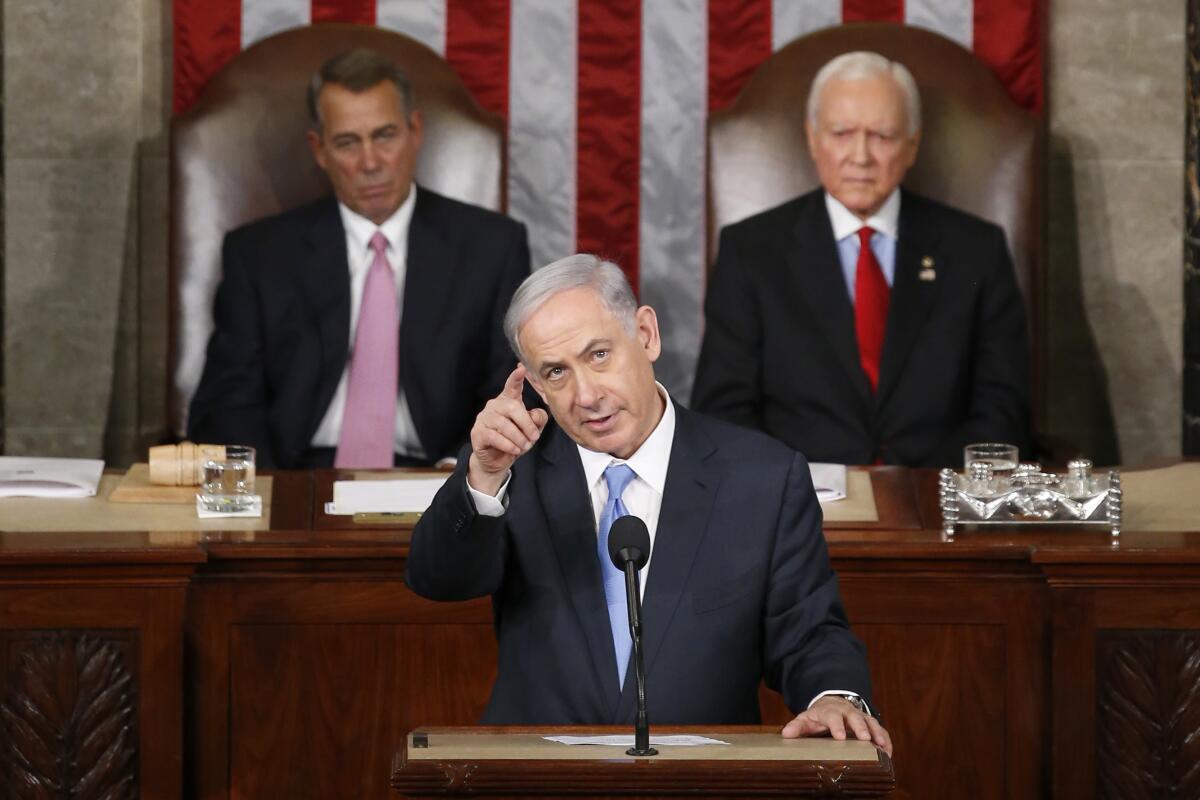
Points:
(460, 544)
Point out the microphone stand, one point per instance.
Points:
(641, 731)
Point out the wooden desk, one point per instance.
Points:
(749, 761)
(291, 662)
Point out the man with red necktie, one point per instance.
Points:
(861, 323)
(362, 330)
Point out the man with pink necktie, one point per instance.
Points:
(861, 323)
(363, 330)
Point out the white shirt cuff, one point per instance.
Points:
(838, 693)
(488, 506)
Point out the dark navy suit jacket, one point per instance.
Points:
(282, 326)
(780, 353)
(739, 586)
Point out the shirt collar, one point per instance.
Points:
(651, 459)
(359, 229)
(845, 223)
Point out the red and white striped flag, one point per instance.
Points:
(606, 103)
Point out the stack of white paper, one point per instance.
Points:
(626, 740)
(830, 481)
(384, 497)
(49, 477)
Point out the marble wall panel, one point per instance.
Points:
(137, 413)
(66, 222)
(72, 85)
(153, 299)
(72, 78)
(1116, 75)
(120, 429)
(156, 76)
(1112, 299)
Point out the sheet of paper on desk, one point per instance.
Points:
(626, 740)
(384, 497)
(49, 477)
(830, 481)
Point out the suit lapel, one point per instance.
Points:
(691, 487)
(912, 298)
(325, 276)
(563, 490)
(430, 273)
(815, 266)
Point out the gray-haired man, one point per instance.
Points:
(738, 588)
(862, 323)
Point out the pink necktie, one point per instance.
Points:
(369, 421)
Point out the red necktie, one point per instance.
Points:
(870, 307)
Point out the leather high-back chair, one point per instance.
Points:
(240, 154)
(979, 152)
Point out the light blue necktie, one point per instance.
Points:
(617, 477)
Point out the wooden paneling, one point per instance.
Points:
(104, 660)
(1006, 663)
(337, 699)
(327, 670)
(68, 713)
(1126, 677)
(960, 671)
(1148, 714)
(943, 691)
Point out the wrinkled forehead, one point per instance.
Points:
(873, 99)
(566, 319)
(337, 101)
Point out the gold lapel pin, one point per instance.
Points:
(927, 272)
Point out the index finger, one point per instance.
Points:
(514, 384)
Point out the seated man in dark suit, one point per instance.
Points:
(862, 323)
(364, 329)
(738, 588)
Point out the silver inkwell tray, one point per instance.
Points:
(1023, 494)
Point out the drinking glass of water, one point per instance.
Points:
(1002, 457)
(228, 485)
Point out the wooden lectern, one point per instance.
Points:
(520, 762)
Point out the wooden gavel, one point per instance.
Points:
(182, 464)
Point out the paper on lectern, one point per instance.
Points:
(626, 740)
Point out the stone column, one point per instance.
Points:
(1113, 309)
(73, 102)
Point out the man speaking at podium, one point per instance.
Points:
(738, 588)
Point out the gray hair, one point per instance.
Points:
(580, 271)
(358, 70)
(863, 64)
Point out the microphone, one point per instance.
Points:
(629, 541)
(629, 549)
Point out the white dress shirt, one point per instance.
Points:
(886, 224)
(359, 256)
(642, 497)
